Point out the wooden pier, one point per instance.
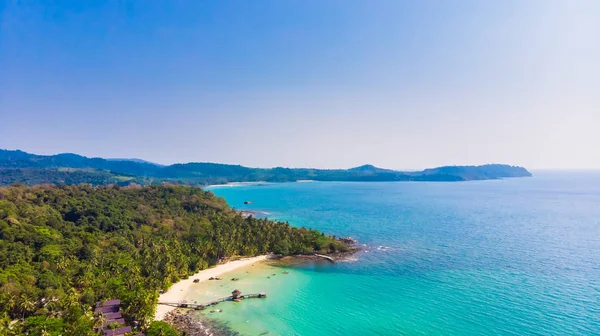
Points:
(235, 297)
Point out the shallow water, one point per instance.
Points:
(506, 257)
(247, 317)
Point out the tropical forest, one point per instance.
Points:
(65, 248)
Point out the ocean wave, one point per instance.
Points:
(385, 248)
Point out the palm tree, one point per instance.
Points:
(100, 321)
(26, 305)
(4, 323)
(11, 302)
(62, 264)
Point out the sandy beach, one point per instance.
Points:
(178, 291)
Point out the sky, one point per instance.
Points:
(311, 83)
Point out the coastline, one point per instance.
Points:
(236, 184)
(250, 184)
(179, 290)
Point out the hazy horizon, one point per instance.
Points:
(397, 84)
(402, 169)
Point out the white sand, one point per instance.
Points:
(178, 291)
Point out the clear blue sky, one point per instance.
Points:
(399, 84)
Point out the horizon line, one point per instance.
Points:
(542, 169)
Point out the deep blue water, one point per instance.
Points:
(505, 257)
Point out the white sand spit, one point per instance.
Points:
(178, 291)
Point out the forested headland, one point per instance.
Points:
(63, 248)
(18, 166)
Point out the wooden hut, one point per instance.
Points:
(110, 310)
(110, 306)
(236, 294)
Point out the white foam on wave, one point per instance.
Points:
(385, 248)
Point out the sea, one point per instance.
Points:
(501, 257)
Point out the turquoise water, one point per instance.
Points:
(507, 257)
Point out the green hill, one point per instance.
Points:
(18, 166)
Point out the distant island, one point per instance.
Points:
(21, 167)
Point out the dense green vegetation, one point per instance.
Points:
(18, 166)
(70, 176)
(20, 159)
(63, 248)
(484, 172)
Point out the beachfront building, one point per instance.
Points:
(109, 310)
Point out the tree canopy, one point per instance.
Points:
(18, 166)
(63, 248)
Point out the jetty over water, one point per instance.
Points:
(235, 296)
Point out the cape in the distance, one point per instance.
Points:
(17, 166)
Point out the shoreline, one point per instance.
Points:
(236, 184)
(255, 183)
(179, 290)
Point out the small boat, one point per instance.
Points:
(216, 310)
(286, 272)
(248, 202)
(235, 279)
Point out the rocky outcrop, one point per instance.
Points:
(193, 324)
(186, 323)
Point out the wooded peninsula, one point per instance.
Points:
(20, 167)
(64, 248)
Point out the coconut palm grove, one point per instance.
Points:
(65, 248)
